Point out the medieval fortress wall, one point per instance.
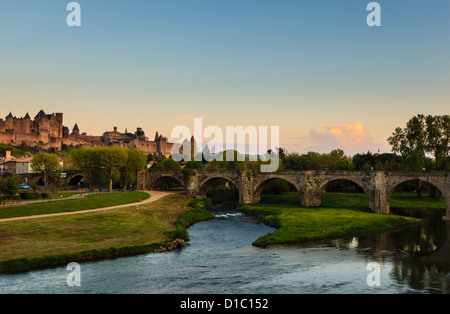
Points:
(47, 130)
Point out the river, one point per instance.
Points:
(221, 260)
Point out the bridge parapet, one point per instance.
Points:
(378, 185)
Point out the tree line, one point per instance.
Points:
(422, 145)
(101, 166)
(108, 165)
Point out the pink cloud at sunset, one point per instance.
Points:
(352, 138)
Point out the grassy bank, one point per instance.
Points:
(91, 201)
(341, 215)
(408, 204)
(53, 241)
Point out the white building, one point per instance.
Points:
(23, 165)
(19, 165)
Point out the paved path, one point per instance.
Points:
(154, 196)
(47, 200)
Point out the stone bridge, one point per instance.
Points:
(378, 185)
(70, 175)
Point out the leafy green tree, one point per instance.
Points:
(213, 165)
(294, 161)
(194, 165)
(112, 158)
(410, 142)
(423, 135)
(48, 165)
(343, 165)
(136, 161)
(89, 160)
(387, 161)
(313, 161)
(166, 163)
(54, 178)
(363, 161)
(11, 186)
(232, 160)
(438, 139)
(170, 164)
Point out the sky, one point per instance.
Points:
(313, 68)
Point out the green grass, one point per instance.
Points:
(199, 212)
(52, 241)
(64, 194)
(341, 215)
(407, 203)
(92, 201)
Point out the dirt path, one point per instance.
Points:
(154, 196)
(72, 197)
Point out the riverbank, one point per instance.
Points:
(296, 224)
(54, 241)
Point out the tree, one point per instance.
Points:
(235, 160)
(170, 164)
(136, 160)
(194, 165)
(410, 142)
(294, 161)
(10, 186)
(343, 165)
(166, 163)
(112, 158)
(213, 165)
(88, 160)
(423, 135)
(54, 178)
(438, 139)
(48, 165)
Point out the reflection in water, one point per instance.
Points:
(420, 255)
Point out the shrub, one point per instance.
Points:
(45, 195)
(11, 186)
(29, 195)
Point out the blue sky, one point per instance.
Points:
(309, 67)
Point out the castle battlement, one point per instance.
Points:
(47, 130)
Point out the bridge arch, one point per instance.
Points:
(259, 185)
(166, 183)
(212, 183)
(166, 179)
(205, 180)
(357, 181)
(432, 181)
(74, 180)
(322, 185)
(40, 181)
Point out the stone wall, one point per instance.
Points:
(46, 131)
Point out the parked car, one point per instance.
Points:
(24, 186)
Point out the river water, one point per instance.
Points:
(221, 260)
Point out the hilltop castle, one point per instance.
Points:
(47, 130)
